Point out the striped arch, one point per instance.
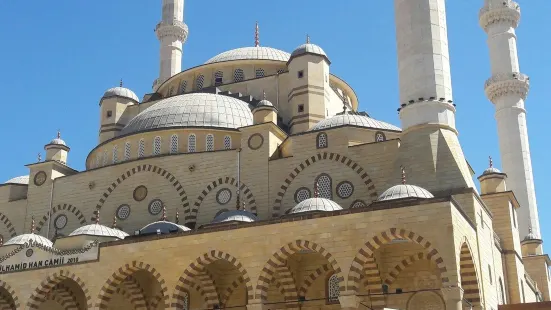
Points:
(11, 301)
(193, 274)
(288, 284)
(243, 188)
(51, 283)
(64, 297)
(467, 271)
(309, 279)
(121, 275)
(225, 296)
(320, 157)
(64, 207)
(385, 237)
(374, 283)
(280, 259)
(146, 168)
(128, 296)
(395, 272)
(137, 296)
(4, 219)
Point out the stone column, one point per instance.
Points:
(349, 302)
(453, 297)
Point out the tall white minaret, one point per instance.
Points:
(507, 90)
(172, 32)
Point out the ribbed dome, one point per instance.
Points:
(192, 110)
(57, 141)
(354, 120)
(491, 170)
(264, 103)
(405, 191)
(164, 227)
(235, 215)
(22, 239)
(24, 179)
(120, 92)
(100, 231)
(308, 48)
(315, 204)
(251, 53)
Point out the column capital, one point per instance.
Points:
(349, 301)
(452, 293)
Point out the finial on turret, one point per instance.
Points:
(256, 36)
(307, 39)
(97, 216)
(120, 84)
(163, 217)
(316, 190)
(177, 217)
(59, 134)
(33, 225)
(39, 157)
(403, 174)
(491, 161)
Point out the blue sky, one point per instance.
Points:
(58, 57)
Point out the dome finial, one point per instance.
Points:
(177, 217)
(307, 39)
(120, 83)
(97, 216)
(403, 174)
(316, 190)
(33, 225)
(243, 206)
(491, 161)
(163, 217)
(256, 36)
(59, 134)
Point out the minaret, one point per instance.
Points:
(507, 90)
(172, 32)
(427, 111)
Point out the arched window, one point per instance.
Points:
(191, 143)
(173, 144)
(200, 82)
(227, 142)
(98, 160)
(185, 301)
(141, 148)
(218, 78)
(183, 86)
(333, 289)
(157, 146)
(501, 292)
(127, 151)
(171, 91)
(210, 143)
(259, 73)
(105, 158)
(321, 140)
(380, 137)
(238, 75)
(325, 185)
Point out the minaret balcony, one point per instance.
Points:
(509, 12)
(504, 84)
(175, 29)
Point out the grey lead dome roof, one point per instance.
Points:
(120, 92)
(24, 179)
(315, 204)
(192, 110)
(164, 227)
(251, 53)
(405, 191)
(491, 170)
(355, 120)
(100, 231)
(308, 48)
(57, 141)
(22, 239)
(235, 215)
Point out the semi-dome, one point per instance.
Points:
(120, 92)
(315, 204)
(308, 48)
(25, 238)
(353, 120)
(235, 216)
(192, 110)
(163, 227)
(24, 179)
(99, 231)
(251, 53)
(405, 191)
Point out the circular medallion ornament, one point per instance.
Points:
(39, 178)
(29, 252)
(155, 207)
(123, 212)
(61, 221)
(223, 196)
(345, 189)
(301, 194)
(255, 141)
(140, 193)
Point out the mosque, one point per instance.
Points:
(253, 182)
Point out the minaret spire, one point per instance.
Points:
(257, 36)
(507, 89)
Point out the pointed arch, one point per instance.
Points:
(374, 283)
(309, 279)
(385, 237)
(8, 298)
(130, 297)
(280, 257)
(395, 272)
(322, 157)
(225, 296)
(53, 282)
(468, 275)
(11, 229)
(59, 208)
(135, 293)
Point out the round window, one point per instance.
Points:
(345, 189)
(155, 207)
(123, 212)
(301, 194)
(223, 196)
(60, 221)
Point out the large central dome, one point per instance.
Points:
(251, 53)
(192, 110)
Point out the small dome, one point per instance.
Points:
(24, 179)
(353, 120)
(25, 238)
(100, 231)
(57, 141)
(120, 92)
(251, 53)
(405, 191)
(530, 236)
(315, 204)
(235, 215)
(264, 104)
(308, 48)
(192, 110)
(165, 227)
(491, 170)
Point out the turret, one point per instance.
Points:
(492, 180)
(113, 106)
(57, 149)
(265, 112)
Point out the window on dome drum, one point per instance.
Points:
(218, 78)
(141, 148)
(171, 91)
(98, 160)
(199, 83)
(105, 158)
(227, 142)
(210, 143)
(321, 140)
(238, 75)
(380, 137)
(173, 144)
(333, 289)
(325, 186)
(191, 139)
(127, 151)
(183, 86)
(157, 146)
(115, 154)
(300, 74)
(259, 73)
